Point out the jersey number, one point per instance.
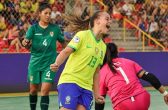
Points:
(92, 61)
(123, 74)
(45, 42)
(48, 74)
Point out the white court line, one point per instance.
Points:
(21, 94)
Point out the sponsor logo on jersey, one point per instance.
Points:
(38, 34)
(76, 39)
(51, 34)
(67, 99)
(47, 78)
(88, 46)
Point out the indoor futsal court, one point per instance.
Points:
(34, 32)
(21, 102)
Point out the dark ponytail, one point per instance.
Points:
(111, 53)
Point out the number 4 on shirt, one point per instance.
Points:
(45, 42)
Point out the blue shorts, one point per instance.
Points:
(70, 95)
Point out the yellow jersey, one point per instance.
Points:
(82, 63)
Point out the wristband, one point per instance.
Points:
(165, 93)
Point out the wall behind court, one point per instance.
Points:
(13, 69)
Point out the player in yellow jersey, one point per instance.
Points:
(80, 76)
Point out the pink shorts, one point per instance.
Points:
(138, 102)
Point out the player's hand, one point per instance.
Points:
(99, 99)
(54, 67)
(26, 43)
(166, 99)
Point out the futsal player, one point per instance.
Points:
(119, 78)
(86, 53)
(42, 37)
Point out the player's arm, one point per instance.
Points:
(98, 97)
(73, 45)
(61, 38)
(102, 89)
(27, 40)
(63, 42)
(64, 54)
(26, 43)
(154, 81)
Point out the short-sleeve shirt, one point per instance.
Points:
(87, 56)
(43, 49)
(124, 83)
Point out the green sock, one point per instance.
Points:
(44, 102)
(33, 101)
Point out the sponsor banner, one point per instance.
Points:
(13, 69)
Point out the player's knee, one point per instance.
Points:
(80, 107)
(33, 91)
(44, 92)
(62, 108)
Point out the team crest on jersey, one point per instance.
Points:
(51, 34)
(67, 100)
(76, 39)
(96, 50)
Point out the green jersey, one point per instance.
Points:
(43, 50)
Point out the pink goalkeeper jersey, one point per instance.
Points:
(122, 85)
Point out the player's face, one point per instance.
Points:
(104, 22)
(45, 15)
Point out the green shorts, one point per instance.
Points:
(37, 77)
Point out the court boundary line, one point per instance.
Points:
(24, 94)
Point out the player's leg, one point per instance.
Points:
(33, 96)
(62, 108)
(47, 78)
(34, 79)
(45, 88)
(85, 100)
(68, 94)
(80, 107)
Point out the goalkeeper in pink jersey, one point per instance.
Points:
(119, 78)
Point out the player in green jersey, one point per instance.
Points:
(80, 76)
(43, 37)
